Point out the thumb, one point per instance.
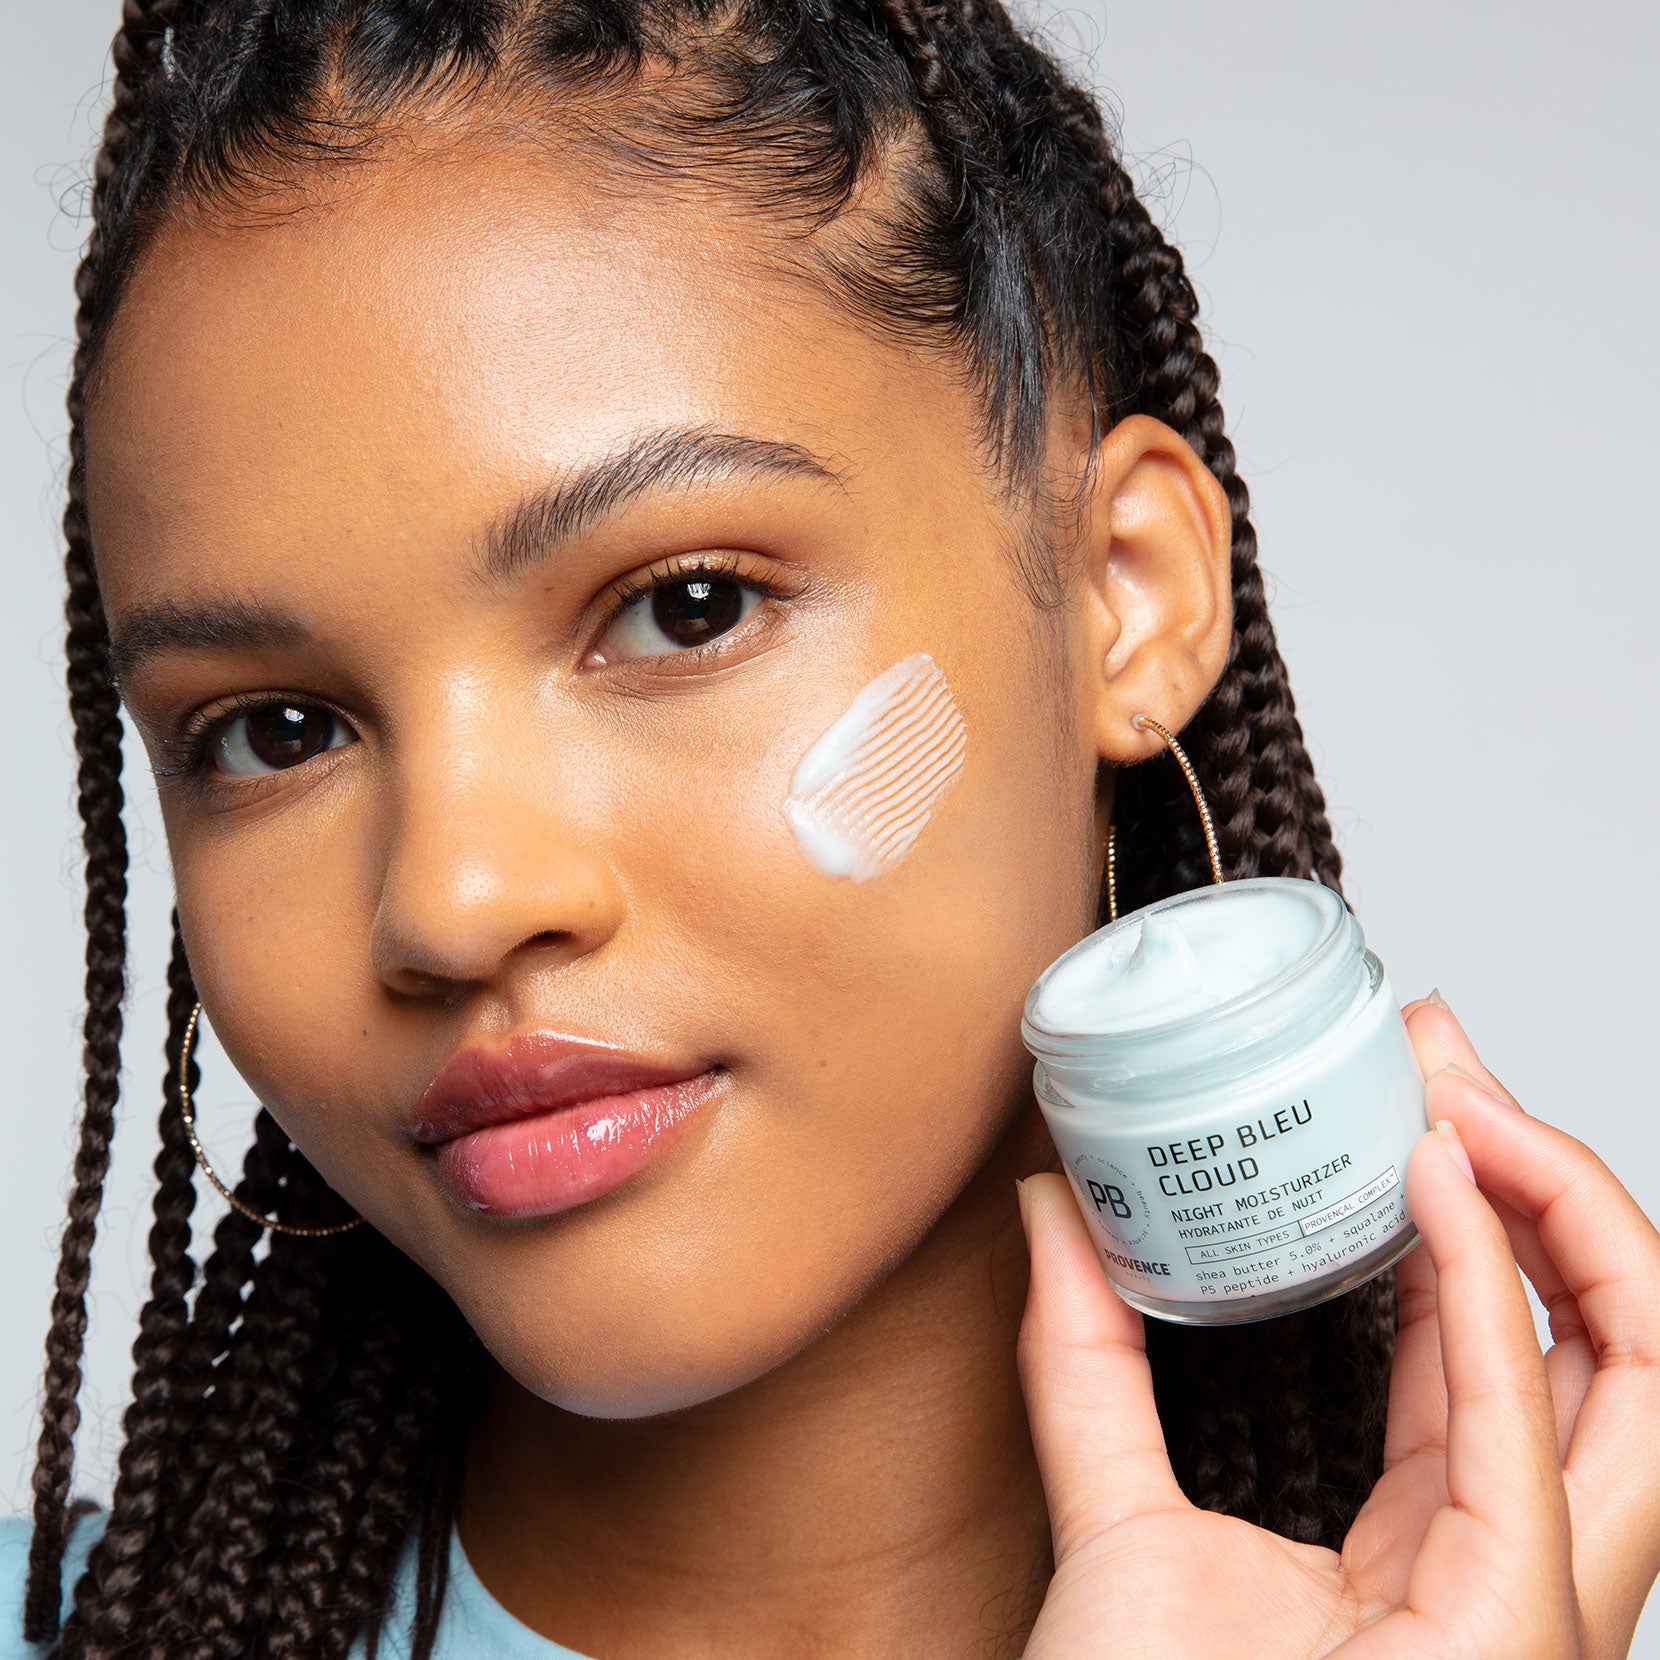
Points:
(1089, 1390)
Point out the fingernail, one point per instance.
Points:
(1021, 1200)
(1482, 1084)
(1449, 1133)
(1437, 999)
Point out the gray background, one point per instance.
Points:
(1428, 242)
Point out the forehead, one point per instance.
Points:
(449, 327)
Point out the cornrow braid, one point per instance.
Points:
(216, 1313)
(103, 1622)
(304, 1579)
(270, 1394)
(249, 1422)
(1350, 1352)
(1220, 1469)
(95, 712)
(98, 747)
(124, 1551)
(432, 1374)
(320, 1587)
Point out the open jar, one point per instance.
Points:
(1230, 1085)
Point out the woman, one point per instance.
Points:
(507, 436)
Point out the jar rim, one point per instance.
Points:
(1334, 925)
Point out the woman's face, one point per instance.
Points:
(467, 778)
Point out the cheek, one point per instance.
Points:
(275, 916)
(741, 853)
(874, 1023)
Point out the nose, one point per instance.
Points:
(487, 863)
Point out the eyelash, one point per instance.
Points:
(188, 751)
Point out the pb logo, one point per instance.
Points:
(1109, 1198)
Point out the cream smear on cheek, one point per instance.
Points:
(862, 793)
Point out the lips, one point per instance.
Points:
(545, 1123)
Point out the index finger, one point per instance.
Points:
(1597, 1236)
(1606, 1254)
(1502, 1468)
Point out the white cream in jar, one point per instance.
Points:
(1233, 1094)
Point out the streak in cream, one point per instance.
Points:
(862, 793)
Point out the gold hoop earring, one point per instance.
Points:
(1147, 723)
(187, 1110)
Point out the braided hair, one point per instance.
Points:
(297, 1415)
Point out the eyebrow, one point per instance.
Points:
(527, 533)
(540, 522)
(150, 631)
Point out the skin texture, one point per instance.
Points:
(732, 1395)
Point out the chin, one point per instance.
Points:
(647, 1373)
(657, 1345)
(603, 1393)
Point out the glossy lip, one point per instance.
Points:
(535, 1072)
(546, 1123)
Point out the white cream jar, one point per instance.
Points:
(1232, 1091)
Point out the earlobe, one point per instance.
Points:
(1157, 573)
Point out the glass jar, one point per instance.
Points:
(1230, 1085)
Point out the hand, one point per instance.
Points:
(1518, 1517)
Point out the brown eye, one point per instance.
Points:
(697, 609)
(276, 737)
(679, 614)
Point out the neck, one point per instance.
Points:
(877, 1494)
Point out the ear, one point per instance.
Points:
(1157, 586)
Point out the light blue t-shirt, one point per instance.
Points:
(473, 1625)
